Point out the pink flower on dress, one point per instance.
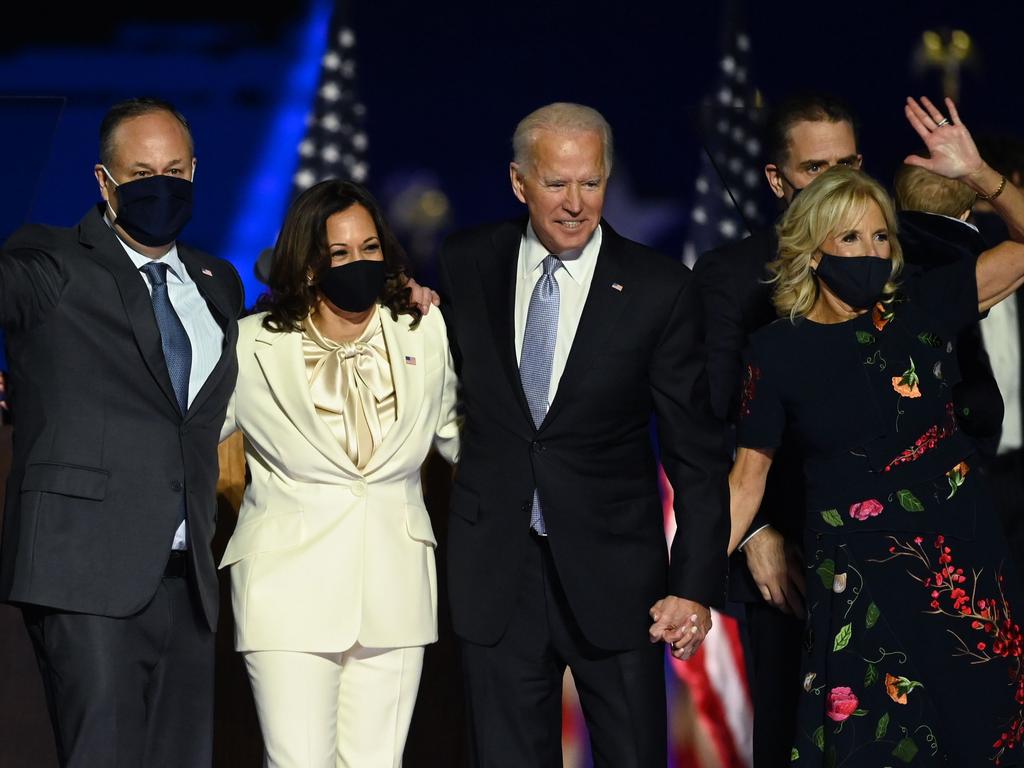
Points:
(842, 702)
(862, 510)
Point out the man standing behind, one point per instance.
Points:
(568, 339)
(121, 350)
(807, 134)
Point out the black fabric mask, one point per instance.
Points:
(354, 287)
(796, 190)
(154, 210)
(857, 280)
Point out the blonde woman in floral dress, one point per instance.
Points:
(913, 646)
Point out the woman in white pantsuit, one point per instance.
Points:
(343, 387)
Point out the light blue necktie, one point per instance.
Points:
(537, 356)
(177, 348)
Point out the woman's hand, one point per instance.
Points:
(746, 489)
(952, 151)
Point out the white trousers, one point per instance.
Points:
(335, 710)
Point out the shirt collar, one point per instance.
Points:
(174, 266)
(952, 218)
(535, 253)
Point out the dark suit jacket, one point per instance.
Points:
(736, 301)
(637, 354)
(929, 241)
(102, 455)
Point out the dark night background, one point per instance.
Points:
(445, 83)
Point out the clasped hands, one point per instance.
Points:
(681, 623)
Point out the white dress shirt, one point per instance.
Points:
(205, 336)
(573, 280)
(1001, 335)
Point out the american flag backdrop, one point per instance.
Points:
(729, 191)
(335, 143)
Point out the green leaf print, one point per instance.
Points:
(819, 737)
(882, 727)
(906, 750)
(929, 340)
(794, 755)
(865, 338)
(827, 572)
(871, 617)
(871, 676)
(909, 501)
(860, 712)
(832, 517)
(842, 638)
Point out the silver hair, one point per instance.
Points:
(560, 116)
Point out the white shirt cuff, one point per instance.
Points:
(750, 536)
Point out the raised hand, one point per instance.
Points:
(952, 151)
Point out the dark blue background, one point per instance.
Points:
(444, 84)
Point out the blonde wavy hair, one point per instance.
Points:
(836, 201)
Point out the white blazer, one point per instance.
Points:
(324, 555)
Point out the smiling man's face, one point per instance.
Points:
(563, 185)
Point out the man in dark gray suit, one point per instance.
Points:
(121, 353)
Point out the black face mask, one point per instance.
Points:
(153, 210)
(796, 190)
(354, 287)
(857, 280)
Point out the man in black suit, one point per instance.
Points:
(568, 339)
(121, 349)
(807, 134)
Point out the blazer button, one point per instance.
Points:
(358, 488)
(538, 446)
(176, 486)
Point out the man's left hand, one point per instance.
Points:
(681, 623)
(422, 296)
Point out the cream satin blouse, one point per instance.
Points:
(352, 387)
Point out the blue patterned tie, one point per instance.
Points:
(177, 348)
(537, 355)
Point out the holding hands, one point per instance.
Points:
(681, 623)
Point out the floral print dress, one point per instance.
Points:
(912, 653)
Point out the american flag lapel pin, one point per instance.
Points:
(207, 272)
(617, 287)
(410, 360)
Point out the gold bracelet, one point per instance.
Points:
(997, 193)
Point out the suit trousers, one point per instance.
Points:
(135, 691)
(513, 688)
(1004, 475)
(775, 646)
(322, 710)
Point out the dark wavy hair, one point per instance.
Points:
(301, 251)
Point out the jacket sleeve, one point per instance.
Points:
(725, 336)
(31, 279)
(446, 433)
(694, 454)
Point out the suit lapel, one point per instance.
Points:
(218, 305)
(280, 358)
(406, 357)
(498, 276)
(599, 318)
(104, 247)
